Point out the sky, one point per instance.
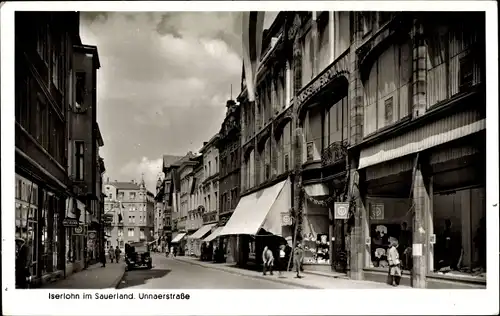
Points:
(163, 83)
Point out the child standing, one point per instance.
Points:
(394, 263)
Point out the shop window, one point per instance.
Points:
(459, 236)
(389, 218)
(316, 231)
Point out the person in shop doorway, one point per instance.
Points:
(117, 254)
(111, 254)
(267, 261)
(394, 262)
(22, 264)
(298, 256)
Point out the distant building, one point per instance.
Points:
(132, 207)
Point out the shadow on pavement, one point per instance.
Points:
(140, 276)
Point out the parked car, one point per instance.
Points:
(137, 255)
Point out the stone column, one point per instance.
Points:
(315, 44)
(356, 87)
(419, 76)
(422, 193)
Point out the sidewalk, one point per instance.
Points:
(308, 280)
(94, 277)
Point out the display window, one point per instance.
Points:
(316, 234)
(389, 218)
(26, 217)
(459, 236)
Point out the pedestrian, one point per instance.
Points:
(103, 257)
(117, 254)
(23, 263)
(111, 254)
(174, 251)
(281, 264)
(298, 256)
(267, 260)
(394, 262)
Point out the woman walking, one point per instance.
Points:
(111, 254)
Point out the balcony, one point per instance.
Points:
(334, 153)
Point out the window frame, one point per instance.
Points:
(80, 160)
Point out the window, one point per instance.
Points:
(323, 41)
(335, 123)
(110, 195)
(141, 234)
(80, 89)
(58, 61)
(215, 199)
(42, 47)
(287, 162)
(209, 168)
(120, 232)
(120, 196)
(454, 63)
(307, 58)
(131, 195)
(367, 22)
(216, 159)
(130, 232)
(79, 155)
(388, 89)
(209, 204)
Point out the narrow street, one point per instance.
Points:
(172, 274)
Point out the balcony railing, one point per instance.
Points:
(334, 153)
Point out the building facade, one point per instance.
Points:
(210, 181)
(355, 124)
(228, 146)
(54, 209)
(132, 208)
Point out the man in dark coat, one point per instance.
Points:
(23, 255)
(298, 256)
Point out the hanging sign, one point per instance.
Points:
(286, 219)
(341, 210)
(92, 234)
(78, 230)
(70, 222)
(377, 211)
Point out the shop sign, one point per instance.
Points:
(341, 210)
(92, 234)
(70, 222)
(377, 211)
(78, 230)
(286, 219)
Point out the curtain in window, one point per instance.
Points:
(307, 61)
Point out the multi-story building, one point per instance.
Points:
(418, 151)
(182, 176)
(164, 198)
(83, 151)
(210, 182)
(41, 109)
(57, 181)
(228, 146)
(132, 207)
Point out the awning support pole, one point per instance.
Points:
(294, 241)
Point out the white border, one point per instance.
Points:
(268, 302)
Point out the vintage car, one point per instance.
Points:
(137, 255)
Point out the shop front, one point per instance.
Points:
(39, 214)
(257, 222)
(74, 226)
(197, 238)
(432, 202)
(179, 242)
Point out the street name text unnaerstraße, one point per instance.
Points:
(119, 296)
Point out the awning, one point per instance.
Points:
(213, 235)
(258, 210)
(200, 233)
(178, 237)
(445, 130)
(317, 189)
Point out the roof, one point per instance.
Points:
(124, 185)
(210, 143)
(92, 49)
(170, 160)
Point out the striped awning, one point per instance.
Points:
(437, 133)
(178, 237)
(200, 233)
(213, 235)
